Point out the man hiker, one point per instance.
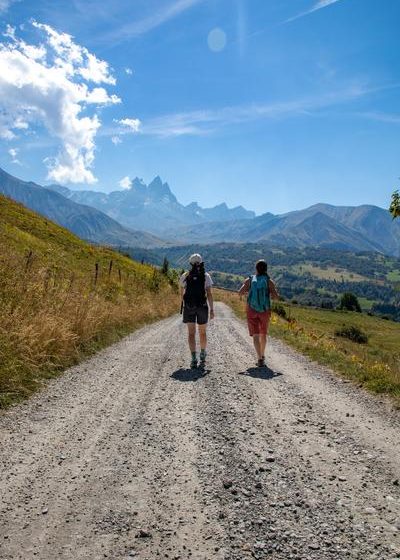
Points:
(259, 289)
(197, 302)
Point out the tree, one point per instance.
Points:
(165, 266)
(394, 208)
(350, 302)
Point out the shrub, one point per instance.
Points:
(350, 302)
(279, 310)
(353, 333)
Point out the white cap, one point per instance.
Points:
(196, 259)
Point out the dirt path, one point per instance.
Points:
(131, 455)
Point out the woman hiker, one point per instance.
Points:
(197, 302)
(259, 288)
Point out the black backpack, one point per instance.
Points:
(195, 292)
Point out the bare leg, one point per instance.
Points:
(257, 345)
(192, 336)
(263, 343)
(203, 336)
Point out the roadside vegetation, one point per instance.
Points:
(62, 299)
(362, 348)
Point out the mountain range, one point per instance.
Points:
(353, 228)
(86, 222)
(148, 216)
(152, 207)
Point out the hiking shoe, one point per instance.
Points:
(261, 362)
(193, 363)
(203, 356)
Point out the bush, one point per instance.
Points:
(279, 310)
(352, 333)
(349, 302)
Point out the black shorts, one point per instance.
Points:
(196, 314)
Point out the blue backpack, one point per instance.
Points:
(259, 297)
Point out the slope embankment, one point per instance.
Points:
(62, 299)
(130, 454)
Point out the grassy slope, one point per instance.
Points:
(375, 365)
(52, 311)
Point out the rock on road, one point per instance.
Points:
(132, 455)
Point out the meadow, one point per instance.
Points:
(374, 365)
(62, 299)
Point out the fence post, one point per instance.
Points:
(110, 268)
(96, 274)
(28, 260)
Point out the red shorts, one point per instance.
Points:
(258, 322)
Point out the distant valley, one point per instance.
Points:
(312, 276)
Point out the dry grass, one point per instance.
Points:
(51, 320)
(53, 312)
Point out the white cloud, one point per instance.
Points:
(317, 6)
(133, 125)
(48, 85)
(125, 183)
(13, 152)
(116, 140)
(128, 71)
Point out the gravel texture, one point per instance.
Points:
(132, 455)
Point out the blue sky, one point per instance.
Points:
(272, 104)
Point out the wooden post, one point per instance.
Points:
(28, 260)
(120, 276)
(96, 274)
(110, 268)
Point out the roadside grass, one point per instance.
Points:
(374, 365)
(62, 299)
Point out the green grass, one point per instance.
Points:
(375, 365)
(62, 299)
(393, 276)
(366, 304)
(328, 273)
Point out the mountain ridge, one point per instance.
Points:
(85, 221)
(152, 207)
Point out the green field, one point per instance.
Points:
(375, 365)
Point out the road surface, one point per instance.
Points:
(132, 455)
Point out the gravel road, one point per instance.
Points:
(132, 455)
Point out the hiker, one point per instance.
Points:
(196, 300)
(259, 289)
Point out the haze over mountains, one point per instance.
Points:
(115, 218)
(152, 207)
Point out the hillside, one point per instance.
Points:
(62, 298)
(85, 221)
(359, 228)
(312, 276)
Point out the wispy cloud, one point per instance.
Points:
(317, 6)
(139, 27)
(203, 122)
(5, 4)
(380, 117)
